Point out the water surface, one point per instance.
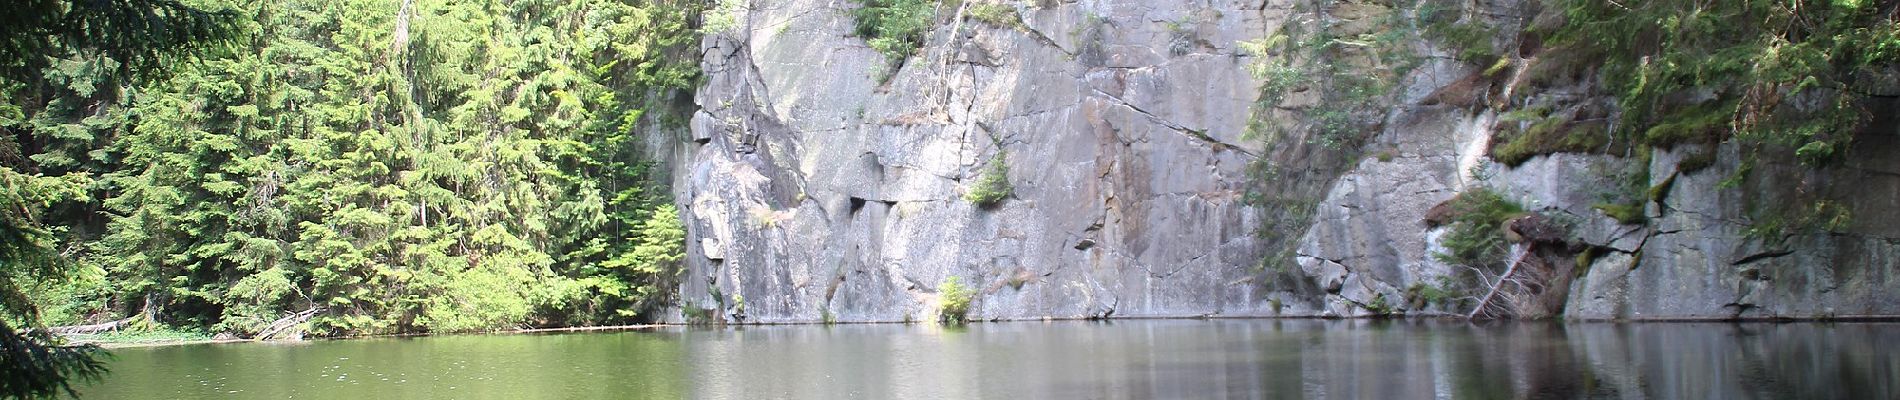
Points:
(1289, 359)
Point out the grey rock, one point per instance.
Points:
(811, 189)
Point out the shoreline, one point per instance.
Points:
(109, 345)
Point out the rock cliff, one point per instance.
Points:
(815, 189)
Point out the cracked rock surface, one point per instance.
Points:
(814, 191)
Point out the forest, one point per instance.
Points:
(373, 166)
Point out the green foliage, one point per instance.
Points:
(723, 15)
(1476, 235)
(1470, 40)
(1706, 124)
(1774, 224)
(38, 365)
(993, 185)
(1787, 78)
(895, 28)
(144, 36)
(1379, 306)
(61, 65)
(654, 260)
(1350, 75)
(1780, 73)
(34, 363)
(1444, 292)
(403, 166)
(956, 300)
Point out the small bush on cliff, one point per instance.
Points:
(1444, 291)
(895, 28)
(993, 186)
(1477, 227)
(956, 300)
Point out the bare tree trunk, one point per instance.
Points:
(1522, 251)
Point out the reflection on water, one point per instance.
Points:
(1312, 359)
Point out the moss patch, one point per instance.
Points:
(1552, 134)
(1706, 123)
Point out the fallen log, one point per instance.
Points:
(284, 324)
(1522, 251)
(90, 329)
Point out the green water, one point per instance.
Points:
(1033, 360)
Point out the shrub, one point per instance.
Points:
(1477, 227)
(1420, 294)
(956, 300)
(895, 28)
(993, 186)
(1379, 306)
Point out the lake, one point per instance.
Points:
(1131, 359)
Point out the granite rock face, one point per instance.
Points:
(818, 192)
(1697, 259)
(815, 191)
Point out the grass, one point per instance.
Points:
(161, 335)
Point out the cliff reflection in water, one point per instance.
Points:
(1311, 359)
(1138, 359)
